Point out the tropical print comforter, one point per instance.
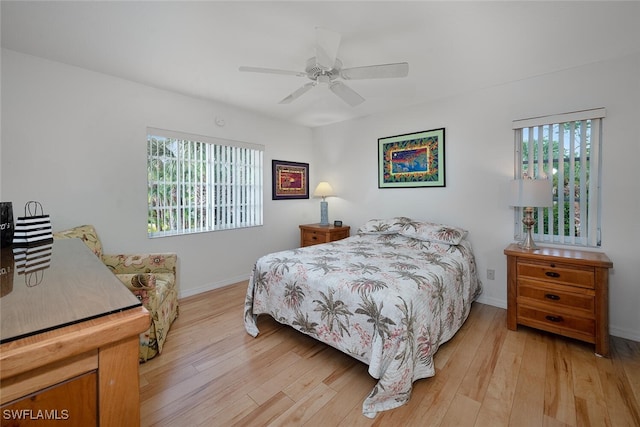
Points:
(386, 299)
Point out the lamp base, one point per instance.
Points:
(529, 221)
(324, 214)
(528, 243)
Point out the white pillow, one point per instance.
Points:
(384, 226)
(439, 233)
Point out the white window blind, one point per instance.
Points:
(198, 183)
(565, 148)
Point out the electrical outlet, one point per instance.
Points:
(491, 274)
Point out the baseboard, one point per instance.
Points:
(624, 333)
(492, 302)
(212, 286)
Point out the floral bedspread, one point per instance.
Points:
(385, 299)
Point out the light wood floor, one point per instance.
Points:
(212, 373)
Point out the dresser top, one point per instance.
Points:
(318, 226)
(68, 286)
(583, 257)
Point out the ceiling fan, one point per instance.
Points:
(326, 68)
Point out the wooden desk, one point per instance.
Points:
(70, 341)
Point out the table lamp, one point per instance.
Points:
(530, 194)
(324, 190)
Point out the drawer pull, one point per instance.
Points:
(554, 318)
(552, 274)
(552, 297)
(314, 238)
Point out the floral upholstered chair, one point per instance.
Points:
(151, 277)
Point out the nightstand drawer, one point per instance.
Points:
(564, 274)
(314, 234)
(551, 296)
(313, 238)
(339, 235)
(556, 322)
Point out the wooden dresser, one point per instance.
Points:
(314, 234)
(69, 342)
(564, 291)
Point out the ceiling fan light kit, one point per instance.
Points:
(326, 68)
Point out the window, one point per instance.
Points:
(566, 149)
(198, 184)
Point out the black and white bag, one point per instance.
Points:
(32, 258)
(31, 261)
(34, 228)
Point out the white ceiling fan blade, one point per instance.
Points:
(383, 71)
(347, 94)
(327, 43)
(273, 71)
(298, 93)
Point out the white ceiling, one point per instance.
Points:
(195, 48)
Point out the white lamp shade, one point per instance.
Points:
(532, 193)
(323, 190)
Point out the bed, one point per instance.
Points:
(388, 296)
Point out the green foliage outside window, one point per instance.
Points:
(565, 185)
(175, 182)
(203, 184)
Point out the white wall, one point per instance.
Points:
(76, 141)
(479, 163)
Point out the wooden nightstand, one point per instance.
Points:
(564, 291)
(314, 234)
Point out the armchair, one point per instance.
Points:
(150, 277)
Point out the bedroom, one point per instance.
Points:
(81, 132)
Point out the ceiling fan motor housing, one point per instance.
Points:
(320, 74)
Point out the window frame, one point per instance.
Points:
(589, 233)
(226, 192)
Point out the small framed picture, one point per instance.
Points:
(290, 180)
(337, 223)
(412, 160)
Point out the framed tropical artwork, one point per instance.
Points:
(290, 180)
(412, 160)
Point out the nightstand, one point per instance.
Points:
(564, 291)
(314, 234)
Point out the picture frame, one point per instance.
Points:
(290, 180)
(412, 160)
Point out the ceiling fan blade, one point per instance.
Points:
(347, 94)
(273, 71)
(383, 71)
(298, 93)
(327, 43)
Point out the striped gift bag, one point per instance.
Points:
(34, 228)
